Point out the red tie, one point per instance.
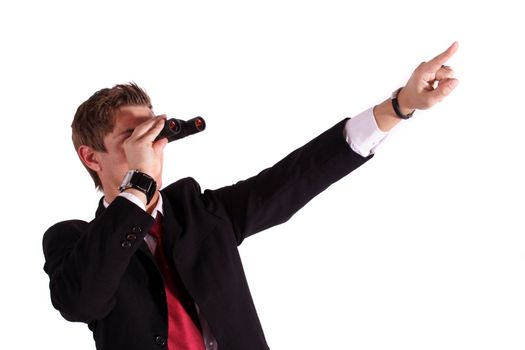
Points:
(183, 325)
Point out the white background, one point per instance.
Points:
(421, 248)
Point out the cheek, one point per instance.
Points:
(117, 152)
(114, 159)
(119, 155)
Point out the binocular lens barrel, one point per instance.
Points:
(175, 129)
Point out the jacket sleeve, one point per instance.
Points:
(85, 261)
(276, 193)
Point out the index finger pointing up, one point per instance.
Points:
(435, 63)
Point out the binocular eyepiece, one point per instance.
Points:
(175, 129)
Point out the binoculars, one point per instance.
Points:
(175, 129)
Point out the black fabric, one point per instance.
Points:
(102, 272)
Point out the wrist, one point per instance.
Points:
(385, 116)
(404, 103)
(140, 182)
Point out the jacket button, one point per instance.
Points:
(125, 244)
(136, 229)
(131, 237)
(160, 340)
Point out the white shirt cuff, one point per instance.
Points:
(363, 134)
(134, 199)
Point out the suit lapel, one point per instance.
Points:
(100, 208)
(171, 228)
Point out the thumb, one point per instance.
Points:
(159, 145)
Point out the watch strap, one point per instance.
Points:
(395, 105)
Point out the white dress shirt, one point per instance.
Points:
(362, 134)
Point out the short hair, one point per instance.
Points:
(95, 117)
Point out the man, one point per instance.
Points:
(160, 269)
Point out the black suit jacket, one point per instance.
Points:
(103, 273)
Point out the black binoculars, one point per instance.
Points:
(175, 129)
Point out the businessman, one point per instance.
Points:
(158, 267)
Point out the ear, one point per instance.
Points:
(89, 157)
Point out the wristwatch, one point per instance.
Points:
(395, 105)
(139, 181)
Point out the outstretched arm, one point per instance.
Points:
(276, 193)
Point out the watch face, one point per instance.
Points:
(140, 181)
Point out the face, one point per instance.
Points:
(113, 164)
